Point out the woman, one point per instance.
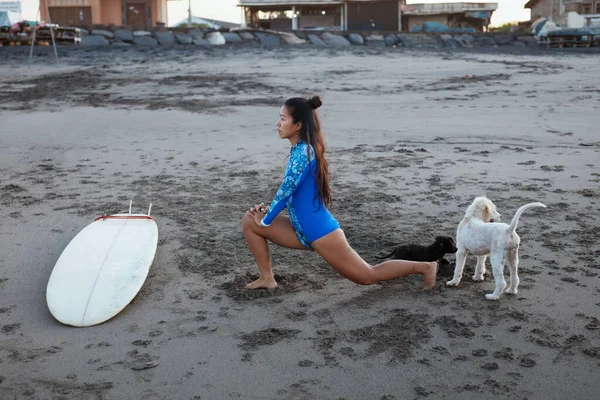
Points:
(306, 194)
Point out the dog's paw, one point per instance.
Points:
(511, 291)
(453, 282)
(478, 278)
(492, 296)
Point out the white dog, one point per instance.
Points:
(478, 234)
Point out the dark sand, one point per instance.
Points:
(413, 137)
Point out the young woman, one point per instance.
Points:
(310, 226)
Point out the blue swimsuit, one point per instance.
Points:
(299, 193)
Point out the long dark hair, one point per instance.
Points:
(305, 111)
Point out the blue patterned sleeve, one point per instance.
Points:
(296, 171)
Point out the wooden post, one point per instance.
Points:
(399, 15)
(345, 16)
(294, 19)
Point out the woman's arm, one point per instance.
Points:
(297, 170)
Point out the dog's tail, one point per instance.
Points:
(515, 221)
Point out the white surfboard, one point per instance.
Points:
(102, 269)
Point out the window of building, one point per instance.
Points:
(585, 8)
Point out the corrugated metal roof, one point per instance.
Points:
(300, 2)
(246, 3)
(427, 9)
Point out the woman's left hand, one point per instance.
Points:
(258, 212)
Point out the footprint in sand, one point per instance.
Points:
(490, 366)
(480, 352)
(10, 328)
(595, 324)
(505, 354)
(515, 328)
(527, 362)
(141, 342)
(101, 344)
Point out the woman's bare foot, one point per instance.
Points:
(261, 282)
(429, 277)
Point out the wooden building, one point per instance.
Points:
(287, 15)
(452, 15)
(555, 8)
(361, 15)
(134, 14)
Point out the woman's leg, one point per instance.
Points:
(336, 251)
(279, 232)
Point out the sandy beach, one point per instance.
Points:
(413, 137)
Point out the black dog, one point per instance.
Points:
(416, 252)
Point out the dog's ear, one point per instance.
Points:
(486, 212)
(439, 238)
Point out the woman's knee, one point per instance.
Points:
(363, 275)
(365, 278)
(247, 223)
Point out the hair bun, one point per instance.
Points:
(315, 102)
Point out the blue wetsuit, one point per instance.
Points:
(309, 217)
